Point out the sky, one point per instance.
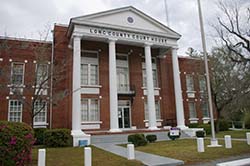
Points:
(31, 18)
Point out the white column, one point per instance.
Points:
(178, 93)
(76, 131)
(150, 88)
(114, 127)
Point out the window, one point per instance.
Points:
(157, 110)
(190, 82)
(41, 107)
(89, 110)
(192, 110)
(154, 72)
(17, 73)
(89, 68)
(122, 71)
(41, 74)
(15, 110)
(190, 86)
(202, 83)
(204, 109)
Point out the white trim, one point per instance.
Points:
(130, 116)
(21, 112)
(89, 110)
(91, 122)
(12, 63)
(89, 67)
(46, 110)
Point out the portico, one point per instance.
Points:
(123, 26)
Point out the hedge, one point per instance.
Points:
(151, 138)
(57, 138)
(137, 139)
(39, 136)
(16, 141)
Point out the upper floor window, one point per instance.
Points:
(154, 72)
(90, 110)
(190, 86)
(89, 68)
(157, 110)
(202, 83)
(192, 110)
(41, 74)
(190, 82)
(17, 73)
(15, 111)
(40, 109)
(122, 71)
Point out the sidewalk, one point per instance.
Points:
(145, 158)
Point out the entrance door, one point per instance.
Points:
(124, 116)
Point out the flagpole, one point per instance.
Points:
(214, 141)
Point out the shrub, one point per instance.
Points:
(200, 134)
(16, 140)
(247, 120)
(151, 138)
(57, 138)
(137, 139)
(223, 125)
(193, 125)
(39, 135)
(206, 127)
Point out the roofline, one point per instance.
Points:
(61, 25)
(188, 57)
(24, 39)
(122, 8)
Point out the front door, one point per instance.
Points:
(124, 116)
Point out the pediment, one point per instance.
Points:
(128, 18)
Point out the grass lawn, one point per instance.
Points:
(75, 156)
(233, 133)
(186, 150)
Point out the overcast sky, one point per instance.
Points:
(26, 18)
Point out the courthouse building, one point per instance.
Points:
(123, 73)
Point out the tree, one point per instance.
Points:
(40, 73)
(230, 81)
(234, 28)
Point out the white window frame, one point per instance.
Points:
(44, 90)
(154, 68)
(146, 113)
(21, 111)
(12, 65)
(195, 112)
(47, 66)
(45, 110)
(89, 110)
(201, 107)
(89, 67)
(118, 65)
(190, 92)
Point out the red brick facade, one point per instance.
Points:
(62, 108)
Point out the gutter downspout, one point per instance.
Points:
(51, 82)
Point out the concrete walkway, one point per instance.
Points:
(145, 158)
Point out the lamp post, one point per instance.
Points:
(214, 141)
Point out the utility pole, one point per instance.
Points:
(214, 141)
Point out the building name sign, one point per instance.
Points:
(129, 36)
